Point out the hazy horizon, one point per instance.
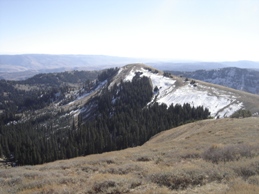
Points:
(170, 60)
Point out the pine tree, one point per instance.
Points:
(1, 152)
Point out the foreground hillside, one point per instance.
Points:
(210, 156)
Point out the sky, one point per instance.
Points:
(205, 30)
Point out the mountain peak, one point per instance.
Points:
(170, 89)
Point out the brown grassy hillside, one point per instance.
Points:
(210, 156)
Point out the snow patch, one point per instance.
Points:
(195, 97)
(130, 75)
(228, 111)
(89, 93)
(120, 70)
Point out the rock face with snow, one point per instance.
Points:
(237, 78)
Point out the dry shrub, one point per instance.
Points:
(37, 184)
(14, 181)
(123, 169)
(143, 159)
(219, 153)
(241, 187)
(253, 180)
(32, 175)
(102, 187)
(246, 168)
(157, 190)
(102, 161)
(113, 184)
(191, 156)
(108, 161)
(67, 180)
(89, 169)
(213, 154)
(184, 177)
(2, 181)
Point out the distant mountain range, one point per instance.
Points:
(19, 67)
(193, 66)
(237, 78)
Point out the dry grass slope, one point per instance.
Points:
(210, 156)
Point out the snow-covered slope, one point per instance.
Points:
(176, 90)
